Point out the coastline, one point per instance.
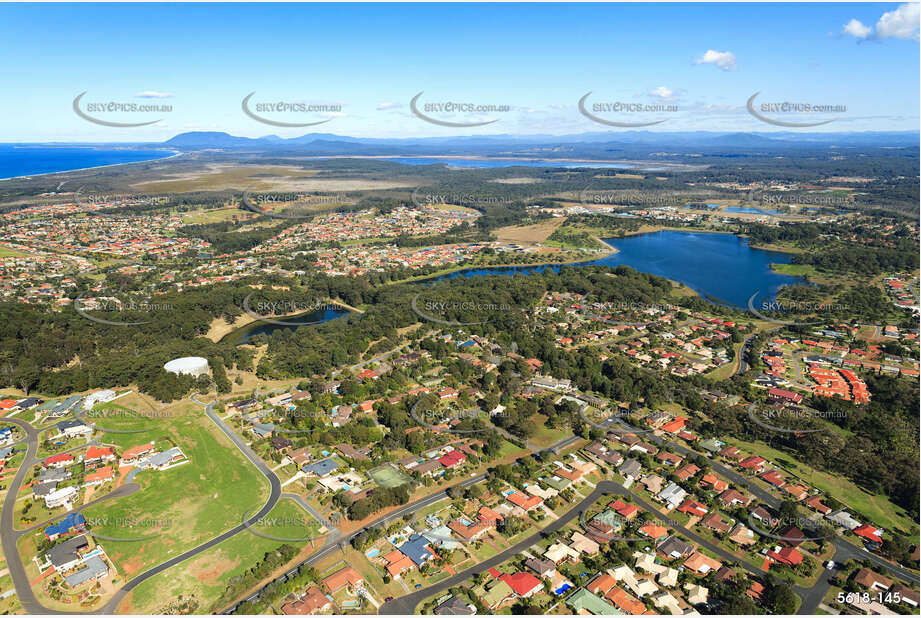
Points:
(175, 154)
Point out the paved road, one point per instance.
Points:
(743, 353)
(843, 549)
(407, 604)
(316, 514)
(8, 535)
(275, 494)
(338, 544)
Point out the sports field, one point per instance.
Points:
(388, 476)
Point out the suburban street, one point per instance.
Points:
(410, 508)
(335, 541)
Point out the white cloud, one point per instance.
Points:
(153, 94)
(388, 105)
(724, 60)
(902, 23)
(856, 28)
(663, 93)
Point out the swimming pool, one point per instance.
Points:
(562, 589)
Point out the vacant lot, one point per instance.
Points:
(205, 576)
(216, 215)
(529, 233)
(181, 507)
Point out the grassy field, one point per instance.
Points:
(10, 252)
(878, 508)
(205, 576)
(545, 436)
(216, 215)
(388, 476)
(185, 505)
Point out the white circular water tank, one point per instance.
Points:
(189, 365)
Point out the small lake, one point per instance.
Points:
(720, 267)
(753, 211)
(243, 334)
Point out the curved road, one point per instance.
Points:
(407, 509)
(407, 604)
(274, 496)
(844, 550)
(9, 535)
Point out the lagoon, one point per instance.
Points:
(244, 334)
(721, 267)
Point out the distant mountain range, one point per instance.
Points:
(547, 146)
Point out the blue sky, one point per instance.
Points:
(539, 59)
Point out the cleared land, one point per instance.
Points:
(205, 577)
(216, 177)
(539, 232)
(191, 503)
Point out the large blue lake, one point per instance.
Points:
(721, 267)
(28, 160)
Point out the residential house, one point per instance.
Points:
(872, 580)
(523, 584)
(674, 548)
(100, 476)
(454, 606)
(701, 564)
(313, 602)
(93, 568)
(60, 497)
(672, 495)
(321, 468)
(69, 554)
(342, 578)
(135, 454)
(717, 523)
(584, 602)
(693, 508)
(742, 535)
(72, 522)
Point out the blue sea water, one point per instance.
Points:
(30, 159)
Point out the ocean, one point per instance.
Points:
(30, 159)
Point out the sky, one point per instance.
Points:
(366, 62)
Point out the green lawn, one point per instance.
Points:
(878, 508)
(10, 252)
(187, 504)
(205, 576)
(545, 436)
